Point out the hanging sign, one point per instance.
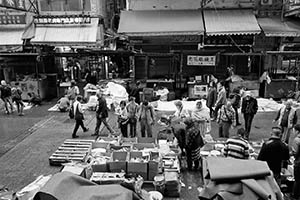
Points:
(12, 19)
(201, 60)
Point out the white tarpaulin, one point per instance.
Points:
(264, 105)
(114, 93)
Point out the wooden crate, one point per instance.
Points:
(71, 150)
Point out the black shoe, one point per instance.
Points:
(94, 134)
(75, 136)
(238, 124)
(86, 130)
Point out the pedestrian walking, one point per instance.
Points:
(237, 146)
(221, 99)
(211, 98)
(132, 111)
(249, 109)
(236, 104)
(146, 118)
(78, 116)
(274, 152)
(102, 115)
(16, 94)
(296, 154)
(202, 119)
(226, 119)
(6, 97)
(194, 142)
(286, 118)
(73, 91)
(123, 118)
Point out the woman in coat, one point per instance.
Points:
(123, 118)
(202, 118)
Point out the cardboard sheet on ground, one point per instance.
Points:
(67, 186)
(235, 179)
(234, 169)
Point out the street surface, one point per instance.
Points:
(27, 142)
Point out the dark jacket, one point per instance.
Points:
(274, 152)
(211, 97)
(249, 106)
(102, 110)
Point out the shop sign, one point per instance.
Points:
(80, 19)
(186, 38)
(201, 60)
(14, 4)
(12, 19)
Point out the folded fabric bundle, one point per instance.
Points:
(224, 169)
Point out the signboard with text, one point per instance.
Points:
(12, 19)
(14, 4)
(193, 60)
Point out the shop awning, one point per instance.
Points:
(67, 34)
(230, 22)
(161, 23)
(11, 35)
(275, 27)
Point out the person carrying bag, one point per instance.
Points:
(78, 116)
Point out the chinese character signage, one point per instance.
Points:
(14, 4)
(80, 19)
(12, 19)
(201, 60)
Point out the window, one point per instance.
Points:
(64, 5)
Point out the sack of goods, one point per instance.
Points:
(172, 184)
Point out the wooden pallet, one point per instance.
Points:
(71, 151)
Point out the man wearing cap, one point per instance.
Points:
(274, 152)
(249, 109)
(286, 118)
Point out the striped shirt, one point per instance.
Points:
(236, 147)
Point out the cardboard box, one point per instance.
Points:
(118, 162)
(104, 145)
(141, 146)
(146, 140)
(103, 167)
(140, 168)
(80, 171)
(129, 140)
(153, 169)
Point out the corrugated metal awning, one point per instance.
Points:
(274, 27)
(67, 34)
(230, 22)
(11, 35)
(161, 23)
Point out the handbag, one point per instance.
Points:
(71, 112)
(78, 115)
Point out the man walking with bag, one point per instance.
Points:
(102, 115)
(78, 116)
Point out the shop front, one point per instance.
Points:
(281, 64)
(230, 34)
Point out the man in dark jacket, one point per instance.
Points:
(101, 115)
(249, 109)
(274, 152)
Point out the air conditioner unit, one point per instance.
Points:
(266, 2)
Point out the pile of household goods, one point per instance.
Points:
(114, 93)
(116, 160)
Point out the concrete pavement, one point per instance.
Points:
(29, 157)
